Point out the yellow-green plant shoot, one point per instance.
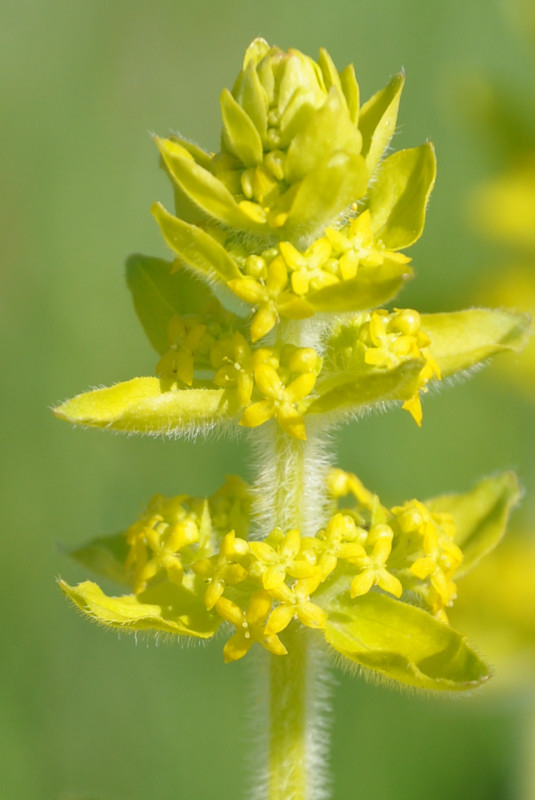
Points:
(291, 239)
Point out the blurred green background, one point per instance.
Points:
(84, 713)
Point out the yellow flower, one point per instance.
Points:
(356, 245)
(230, 506)
(434, 555)
(391, 339)
(341, 539)
(278, 556)
(310, 269)
(157, 538)
(270, 297)
(184, 338)
(372, 566)
(232, 357)
(282, 400)
(343, 483)
(250, 626)
(295, 603)
(223, 569)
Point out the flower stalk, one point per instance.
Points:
(272, 318)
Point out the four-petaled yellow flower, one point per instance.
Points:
(250, 626)
(280, 402)
(155, 541)
(355, 245)
(270, 297)
(341, 539)
(295, 603)
(391, 339)
(281, 555)
(310, 269)
(373, 571)
(436, 557)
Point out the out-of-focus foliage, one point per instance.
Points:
(502, 208)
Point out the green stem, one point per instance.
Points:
(288, 762)
(291, 494)
(291, 488)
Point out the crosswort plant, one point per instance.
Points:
(268, 319)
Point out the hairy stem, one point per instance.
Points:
(288, 721)
(291, 494)
(290, 490)
(298, 740)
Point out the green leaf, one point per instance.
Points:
(377, 121)
(196, 248)
(166, 608)
(327, 130)
(200, 156)
(324, 193)
(160, 291)
(255, 52)
(252, 97)
(141, 406)
(351, 92)
(352, 391)
(480, 516)
(462, 339)
(399, 193)
(240, 136)
(105, 556)
(202, 188)
(371, 287)
(328, 70)
(185, 208)
(402, 643)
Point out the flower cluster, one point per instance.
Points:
(408, 552)
(286, 245)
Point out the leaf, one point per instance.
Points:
(252, 97)
(351, 92)
(166, 607)
(240, 135)
(328, 70)
(402, 643)
(377, 121)
(355, 391)
(202, 188)
(197, 249)
(106, 556)
(324, 193)
(255, 52)
(399, 193)
(200, 156)
(185, 208)
(480, 516)
(141, 406)
(326, 131)
(371, 287)
(462, 339)
(159, 291)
